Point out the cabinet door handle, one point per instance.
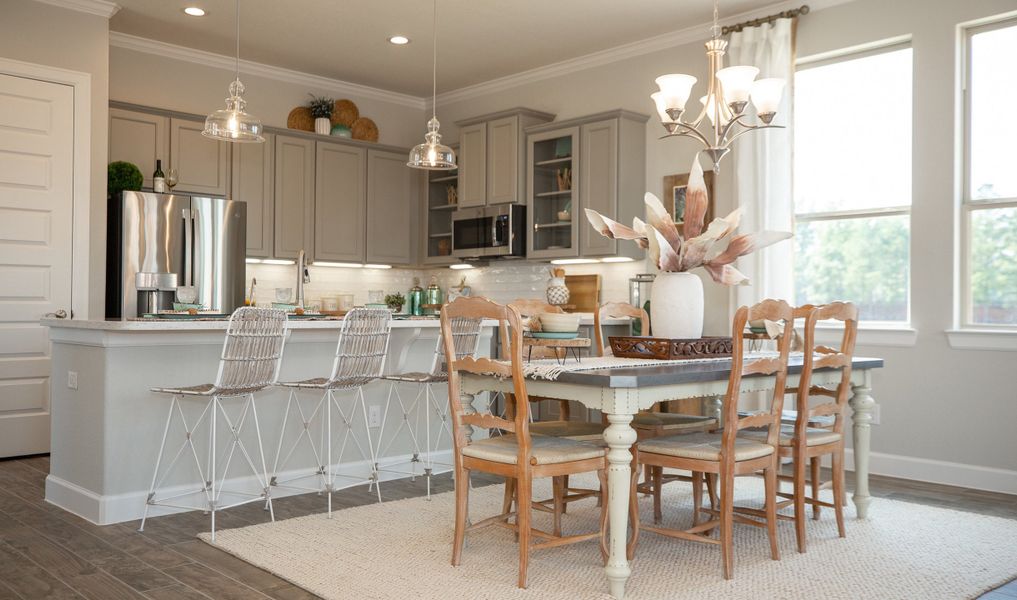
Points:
(60, 314)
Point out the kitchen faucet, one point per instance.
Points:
(303, 276)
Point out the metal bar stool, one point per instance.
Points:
(249, 363)
(359, 360)
(466, 341)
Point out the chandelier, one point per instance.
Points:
(234, 124)
(727, 97)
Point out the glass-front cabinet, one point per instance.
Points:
(442, 201)
(552, 194)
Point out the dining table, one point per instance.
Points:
(620, 389)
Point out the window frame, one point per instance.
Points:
(967, 205)
(845, 55)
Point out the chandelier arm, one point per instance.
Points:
(749, 128)
(730, 125)
(690, 132)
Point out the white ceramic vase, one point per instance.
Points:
(676, 305)
(322, 125)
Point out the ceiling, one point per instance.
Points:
(478, 40)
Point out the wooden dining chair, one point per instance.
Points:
(801, 441)
(725, 454)
(517, 455)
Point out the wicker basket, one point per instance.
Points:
(345, 113)
(365, 129)
(300, 118)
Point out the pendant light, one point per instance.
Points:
(233, 124)
(432, 154)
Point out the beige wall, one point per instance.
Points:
(150, 80)
(46, 35)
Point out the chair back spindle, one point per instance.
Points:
(823, 357)
(363, 347)
(615, 310)
(252, 352)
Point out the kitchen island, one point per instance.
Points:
(107, 425)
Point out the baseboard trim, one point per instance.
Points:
(977, 477)
(130, 506)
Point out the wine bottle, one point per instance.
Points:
(158, 178)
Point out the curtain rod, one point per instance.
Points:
(787, 14)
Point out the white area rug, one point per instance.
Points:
(402, 549)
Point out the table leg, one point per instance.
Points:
(619, 436)
(862, 403)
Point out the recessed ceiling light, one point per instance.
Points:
(194, 11)
(399, 40)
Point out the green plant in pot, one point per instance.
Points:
(321, 109)
(122, 176)
(395, 301)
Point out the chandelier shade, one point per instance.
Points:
(736, 83)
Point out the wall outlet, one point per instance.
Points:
(875, 414)
(72, 379)
(374, 415)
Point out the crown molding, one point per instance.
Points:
(210, 59)
(599, 58)
(102, 8)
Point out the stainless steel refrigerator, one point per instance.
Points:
(201, 240)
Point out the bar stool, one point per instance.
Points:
(466, 341)
(359, 360)
(251, 355)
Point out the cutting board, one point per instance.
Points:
(584, 293)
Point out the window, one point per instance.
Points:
(989, 207)
(852, 182)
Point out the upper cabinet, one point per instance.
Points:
(596, 162)
(294, 196)
(139, 138)
(392, 208)
(201, 163)
(492, 156)
(253, 181)
(340, 203)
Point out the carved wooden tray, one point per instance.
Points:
(670, 349)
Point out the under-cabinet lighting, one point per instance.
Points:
(277, 261)
(341, 265)
(377, 266)
(574, 261)
(460, 266)
(616, 259)
(253, 261)
(194, 11)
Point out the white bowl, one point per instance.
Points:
(559, 322)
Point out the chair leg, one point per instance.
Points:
(510, 493)
(697, 496)
(711, 489)
(726, 521)
(648, 475)
(158, 463)
(524, 504)
(838, 489)
(462, 502)
(264, 465)
(565, 488)
(814, 477)
(798, 494)
(658, 477)
(558, 494)
(770, 475)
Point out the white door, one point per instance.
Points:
(36, 169)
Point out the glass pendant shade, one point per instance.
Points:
(675, 89)
(766, 94)
(232, 124)
(432, 154)
(736, 83)
(661, 103)
(711, 109)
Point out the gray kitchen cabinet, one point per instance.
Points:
(472, 162)
(392, 207)
(294, 196)
(553, 203)
(492, 156)
(340, 202)
(202, 164)
(139, 138)
(253, 182)
(598, 187)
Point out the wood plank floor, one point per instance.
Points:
(46, 552)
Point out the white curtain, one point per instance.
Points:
(762, 165)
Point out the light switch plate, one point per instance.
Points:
(374, 415)
(72, 379)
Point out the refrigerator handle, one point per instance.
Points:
(188, 246)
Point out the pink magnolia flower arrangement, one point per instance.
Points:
(677, 251)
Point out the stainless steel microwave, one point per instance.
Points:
(489, 232)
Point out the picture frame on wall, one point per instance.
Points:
(675, 187)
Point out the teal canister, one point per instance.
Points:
(415, 299)
(432, 298)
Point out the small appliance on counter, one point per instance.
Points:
(415, 299)
(431, 305)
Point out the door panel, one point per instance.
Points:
(139, 138)
(340, 203)
(391, 206)
(36, 172)
(598, 188)
(473, 165)
(503, 160)
(253, 181)
(200, 162)
(294, 196)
